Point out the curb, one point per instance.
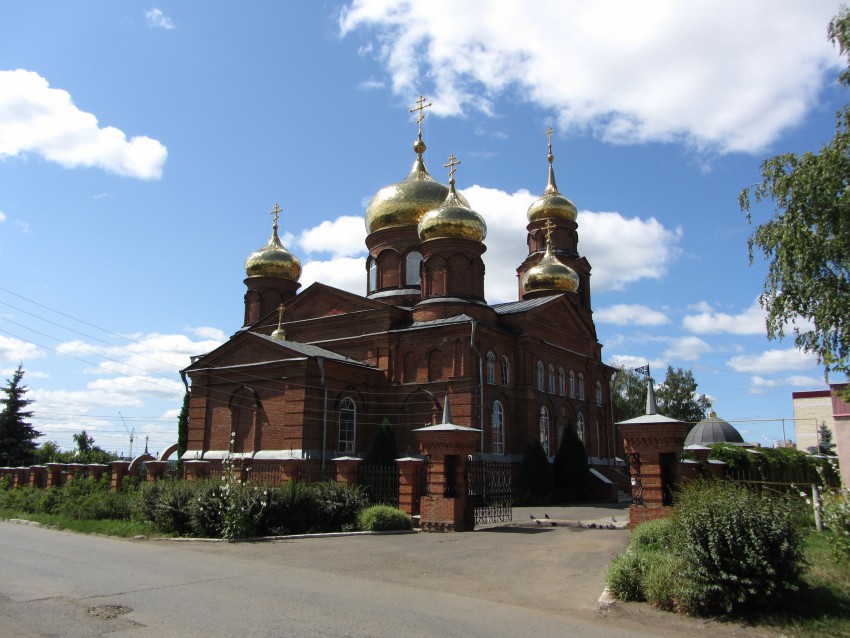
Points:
(606, 599)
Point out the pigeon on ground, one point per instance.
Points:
(545, 515)
(531, 516)
(580, 524)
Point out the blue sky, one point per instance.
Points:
(143, 145)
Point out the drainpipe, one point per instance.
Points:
(320, 361)
(480, 382)
(613, 452)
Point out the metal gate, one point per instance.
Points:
(489, 491)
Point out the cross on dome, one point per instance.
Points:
(276, 211)
(453, 161)
(420, 106)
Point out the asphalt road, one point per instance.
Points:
(522, 580)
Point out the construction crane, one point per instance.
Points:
(130, 432)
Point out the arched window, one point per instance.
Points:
(551, 379)
(581, 386)
(506, 371)
(562, 383)
(540, 376)
(498, 428)
(412, 275)
(347, 425)
(572, 384)
(580, 429)
(598, 393)
(491, 367)
(373, 275)
(544, 429)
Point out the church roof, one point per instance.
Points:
(309, 350)
(523, 306)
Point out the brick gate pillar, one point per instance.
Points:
(195, 469)
(155, 470)
(409, 483)
(347, 468)
(54, 474)
(118, 471)
(446, 506)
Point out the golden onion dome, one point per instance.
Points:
(273, 260)
(551, 205)
(549, 274)
(404, 203)
(454, 218)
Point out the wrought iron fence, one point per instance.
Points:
(489, 491)
(380, 482)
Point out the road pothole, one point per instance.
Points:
(108, 611)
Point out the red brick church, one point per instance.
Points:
(312, 374)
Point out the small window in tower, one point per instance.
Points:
(373, 275)
(540, 376)
(580, 429)
(413, 277)
(491, 367)
(581, 386)
(551, 379)
(562, 383)
(506, 371)
(598, 393)
(572, 384)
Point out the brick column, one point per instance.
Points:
(409, 482)
(155, 470)
(54, 474)
(290, 468)
(446, 508)
(75, 469)
(654, 445)
(717, 469)
(119, 470)
(96, 470)
(19, 477)
(194, 469)
(346, 469)
(37, 473)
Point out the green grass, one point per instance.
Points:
(822, 607)
(107, 527)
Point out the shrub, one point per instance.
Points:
(626, 574)
(206, 510)
(379, 518)
(167, 505)
(739, 549)
(337, 506)
(662, 580)
(836, 518)
(290, 509)
(656, 536)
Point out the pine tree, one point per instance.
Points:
(17, 437)
(570, 467)
(183, 427)
(383, 450)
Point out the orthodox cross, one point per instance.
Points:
(276, 211)
(453, 161)
(420, 106)
(548, 227)
(549, 132)
(280, 310)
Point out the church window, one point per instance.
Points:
(373, 276)
(540, 376)
(580, 429)
(506, 371)
(551, 379)
(347, 425)
(580, 386)
(544, 429)
(491, 367)
(412, 276)
(498, 428)
(598, 393)
(562, 388)
(572, 384)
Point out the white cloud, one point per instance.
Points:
(709, 321)
(2, 216)
(686, 349)
(156, 19)
(772, 361)
(630, 315)
(345, 273)
(15, 351)
(343, 237)
(206, 332)
(630, 362)
(37, 119)
(23, 226)
(723, 77)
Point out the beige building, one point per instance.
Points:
(813, 408)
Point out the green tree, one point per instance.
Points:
(383, 450)
(628, 391)
(825, 444)
(183, 426)
(677, 397)
(535, 471)
(570, 467)
(807, 287)
(17, 436)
